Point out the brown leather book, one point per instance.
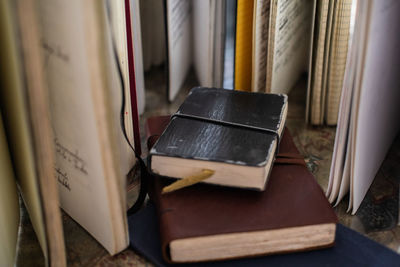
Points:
(205, 222)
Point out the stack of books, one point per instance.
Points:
(261, 199)
(72, 87)
(222, 223)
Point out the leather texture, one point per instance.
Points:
(226, 126)
(200, 140)
(292, 198)
(154, 127)
(351, 248)
(257, 110)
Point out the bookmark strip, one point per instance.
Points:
(144, 174)
(188, 181)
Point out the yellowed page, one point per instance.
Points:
(333, 8)
(291, 44)
(9, 208)
(202, 41)
(337, 60)
(16, 122)
(318, 60)
(41, 132)
(260, 44)
(75, 54)
(138, 52)
(271, 44)
(179, 43)
(118, 27)
(310, 61)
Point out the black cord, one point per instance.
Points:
(143, 169)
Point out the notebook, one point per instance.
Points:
(369, 105)
(350, 249)
(63, 109)
(230, 132)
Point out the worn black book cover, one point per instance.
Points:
(221, 129)
(250, 110)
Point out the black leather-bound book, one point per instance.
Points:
(235, 134)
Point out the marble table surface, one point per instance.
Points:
(377, 217)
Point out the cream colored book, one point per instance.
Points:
(85, 101)
(27, 125)
(369, 108)
(61, 99)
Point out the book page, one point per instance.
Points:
(362, 22)
(341, 158)
(271, 44)
(113, 92)
(260, 44)
(138, 54)
(152, 21)
(310, 61)
(72, 62)
(218, 45)
(318, 61)
(291, 44)
(202, 41)
(346, 172)
(37, 95)
(9, 204)
(377, 122)
(13, 104)
(118, 27)
(333, 10)
(179, 46)
(337, 60)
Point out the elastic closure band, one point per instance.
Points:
(271, 131)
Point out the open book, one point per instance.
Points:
(68, 134)
(259, 46)
(194, 36)
(270, 43)
(274, 42)
(369, 105)
(290, 38)
(327, 64)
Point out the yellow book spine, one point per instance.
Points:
(243, 53)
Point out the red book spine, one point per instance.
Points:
(132, 81)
